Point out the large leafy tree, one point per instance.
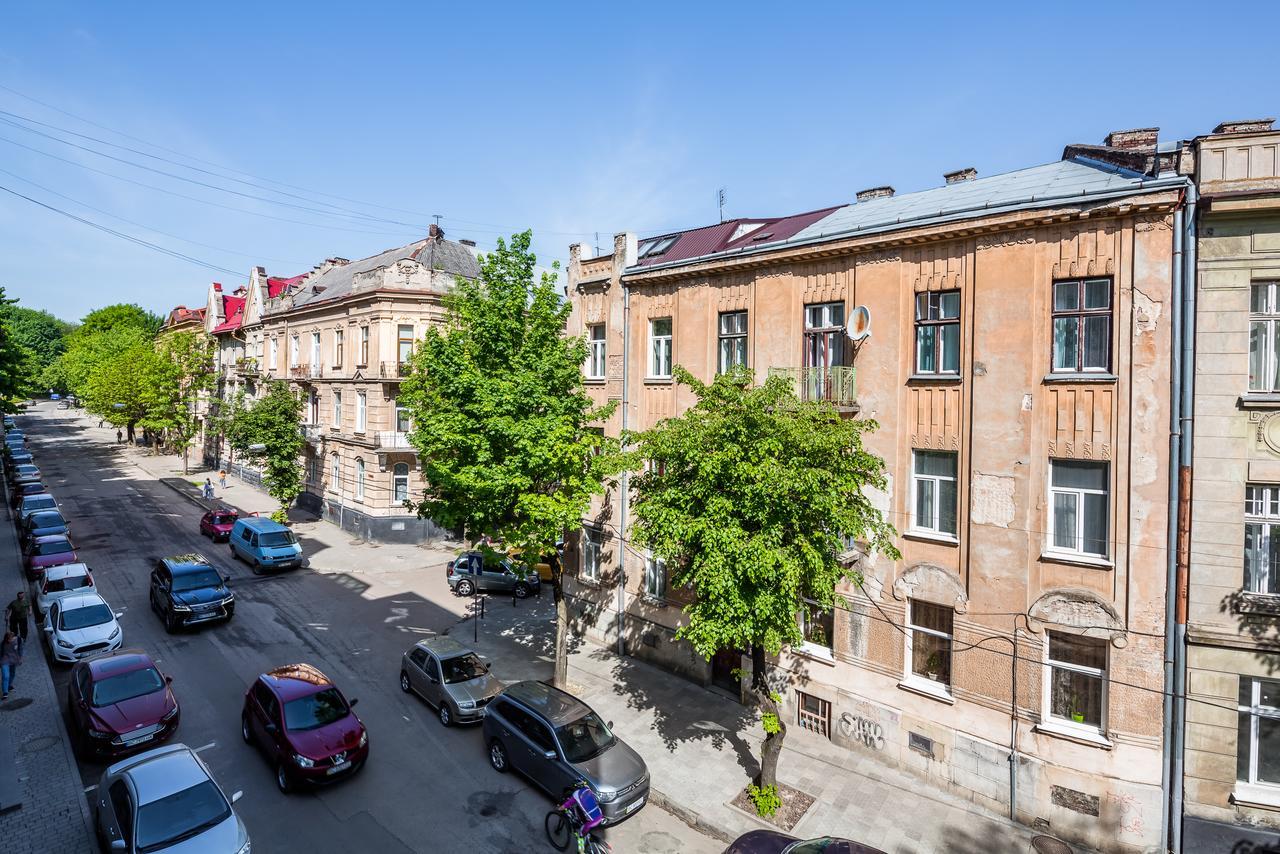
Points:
(16, 362)
(175, 378)
(750, 496)
(268, 433)
(501, 420)
(113, 371)
(41, 334)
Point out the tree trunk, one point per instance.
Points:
(763, 697)
(561, 676)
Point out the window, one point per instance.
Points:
(293, 351)
(656, 246)
(818, 624)
(590, 569)
(1258, 740)
(315, 350)
(1077, 679)
(1262, 539)
(1082, 325)
(313, 407)
(338, 335)
(1078, 498)
(337, 410)
(595, 351)
(1264, 336)
(813, 713)
(402, 419)
(938, 332)
(933, 487)
(313, 470)
(404, 342)
(274, 345)
(929, 643)
(359, 479)
(361, 413)
(335, 473)
(733, 340)
(660, 347)
(400, 483)
(824, 335)
(364, 345)
(655, 577)
(122, 806)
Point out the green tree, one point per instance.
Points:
(100, 338)
(40, 333)
(114, 373)
(750, 496)
(175, 378)
(268, 432)
(15, 360)
(501, 421)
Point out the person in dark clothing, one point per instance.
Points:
(10, 658)
(119, 437)
(17, 616)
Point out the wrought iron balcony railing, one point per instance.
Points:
(835, 385)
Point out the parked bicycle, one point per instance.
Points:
(574, 819)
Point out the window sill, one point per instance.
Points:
(1079, 733)
(1256, 795)
(588, 582)
(952, 379)
(1080, 377)
(1259, 400)
(931, 537)
(816, 652)
(655, 601)
(658, 380)
(1249, 602)
(926, 688)
(595, 380)
(1073, 559)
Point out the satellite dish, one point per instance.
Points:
(859, 325)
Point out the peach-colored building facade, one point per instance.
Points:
(1018, 368)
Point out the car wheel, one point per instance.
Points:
(170, 624)
(498, 756)
(446, 716)
(245, 732)
(466, 588)
(283, 782)
(405, 685)
(234, 554)
(522, 591)
(256, 567)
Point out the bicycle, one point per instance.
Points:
(573, 819)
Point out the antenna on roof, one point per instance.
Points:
(437, 219)
(721, 197)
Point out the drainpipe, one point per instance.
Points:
(625, 498)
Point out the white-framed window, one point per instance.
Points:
(1082, 325)
(732, 340)
(403, 424)
(400, 483)
(359, 479)
(938, 332)
(338, 335)
(364, 345)
(337, 409)
(274, 350)
(293, 350)
(595, 352)
(930, 629)
(313, 470)
(1076, 690)
(933, 487)
(335, 472)
(315, 350)
(818, 625)
(590, 569)
(404, 342)
(1079, 507)
(1262, 538)
(1258, 734)
(1264, 336)
(660, 347)
(361, 411)
(654, 583)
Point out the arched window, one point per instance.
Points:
(335, 473)
(359, 479)
(400, 483)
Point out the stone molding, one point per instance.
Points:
(1079, 609)
(932, 583)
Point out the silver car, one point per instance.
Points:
(450, 677)
(166, 800)
(60, 582)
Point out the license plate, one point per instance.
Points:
(208, 615)
(339, 768)
(633, 806)
(130, 742)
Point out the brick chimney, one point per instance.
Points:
(1135, 139)
(435, 231)
(875, 193)
(1245, 126)
(960, 175)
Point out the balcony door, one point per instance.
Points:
(824, 348)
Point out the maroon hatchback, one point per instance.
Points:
(120, 703)
(44, 552)
(305, 726)
(217, 524)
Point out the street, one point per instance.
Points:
(425, 788)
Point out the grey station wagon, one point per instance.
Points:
(450, 677)
(469, 572)
(555, 740)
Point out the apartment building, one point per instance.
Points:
(1232, 756)
(1018, 367)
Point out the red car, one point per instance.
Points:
(217, 524)
(120, 703)
(305, 726)
(44, 552)
(22, 490)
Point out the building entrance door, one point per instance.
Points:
(723, 663)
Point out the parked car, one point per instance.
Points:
(17, 456)
(24, 473)
(166, 800)
(450, 677)
(9, 423)
(541, 565)
(555, 740)
(774, 842)
(22, 490)
(31, 503)
(43, 523)
(263, 543)
(80, 626)
(217, 524)
(15, 437)
(120, 703)
(304, 725)
(469, 572)
(44, 552)
(186, 590)
(60, 581)
(64, 404)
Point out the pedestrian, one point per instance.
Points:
(17, 615)
(10, 658)
(222, 477)
(119, 437)
(208, 489)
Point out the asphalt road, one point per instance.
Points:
(425, 788)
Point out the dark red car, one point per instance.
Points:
(120, 703)
(44, 552)
(22, 490)
(217, 524)
(304, 725)
(774, 842)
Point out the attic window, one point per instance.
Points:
(657, 246)
(764, 236)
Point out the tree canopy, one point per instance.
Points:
(269, 433)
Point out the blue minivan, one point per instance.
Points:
(265, 544)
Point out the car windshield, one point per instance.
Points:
(39, 502)
(83, 618)
(196, 580)
(584, 738)
(277, 538)
(26, 468)
(61, 585)
(463, 668)
(47, 519)
(810, 846)
(180, 816)
(126, 686)
(223, 520)
(58, 547)
(314, 711)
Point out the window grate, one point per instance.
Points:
(813, 713)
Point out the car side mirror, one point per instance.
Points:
(48, 629)
(550, 755)
(352, 703)
(118, 845)
(235, 796)
(609, 724)
(226, 579)
(271, 728)
(168, 680)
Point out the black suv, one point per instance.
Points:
(186, 590)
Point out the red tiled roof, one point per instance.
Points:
(233, 310)
(277, 285)
(710, 239)
(182, 314)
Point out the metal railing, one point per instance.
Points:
(393, 370)
(392, 440)
(306, 372)
(247, 367)
(835, 385)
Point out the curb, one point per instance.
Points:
(693, 818)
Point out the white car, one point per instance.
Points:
(81, 625)
(61, 581)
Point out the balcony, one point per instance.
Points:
(392, 440)
(313, 433)
(247, 366)
(836, 385)
(393, 370)
(306, 372)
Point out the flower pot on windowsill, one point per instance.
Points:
(1078, 718)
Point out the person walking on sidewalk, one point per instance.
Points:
(119, 437)
(207, 489)
(222, 478)
(10, 658)
(17, 615)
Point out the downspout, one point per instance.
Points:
(625, 498)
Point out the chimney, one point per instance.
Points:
(470, 243)
(217, 287)
(1133, 140)
(435, 231)
(960, 175)
(1245, 126)
(338, 262)
(875, 193)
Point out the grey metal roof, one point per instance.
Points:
(445, 256)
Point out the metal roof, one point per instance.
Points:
(436, 254)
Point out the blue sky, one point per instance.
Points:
(563, 118)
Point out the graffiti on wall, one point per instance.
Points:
(865, 730)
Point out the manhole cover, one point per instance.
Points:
(14, 705)
(1049, 845)
(40, 742)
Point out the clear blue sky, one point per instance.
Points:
(569, 120)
